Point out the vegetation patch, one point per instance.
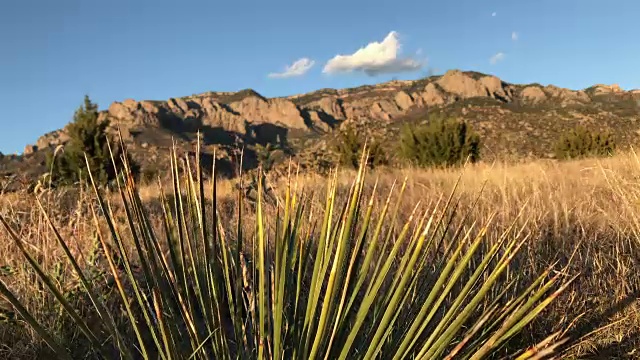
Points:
(440, 143)
(582, 142)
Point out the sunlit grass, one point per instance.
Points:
(583, 210)
(350, 280)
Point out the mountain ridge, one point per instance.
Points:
(322, 108)
(514, 120)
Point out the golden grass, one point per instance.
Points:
(585, 212)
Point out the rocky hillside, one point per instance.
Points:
(513, 120)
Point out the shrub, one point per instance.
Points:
(149, 174)
(87, 136)
(349, 144)
(349, 284)
(439, 143)
(582, 142)
(268, 155)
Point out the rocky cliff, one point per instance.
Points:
(512, 119)
(320, 111)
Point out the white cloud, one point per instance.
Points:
(298, 68)
(374, 59)
(494, 14)
(514, 36)
(496, 58)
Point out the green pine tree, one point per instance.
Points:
(350, 143)
(87, 136)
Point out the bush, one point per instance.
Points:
(351, 284)
(87, 136)
(150, 174)
(268, 155)
(439, 143)
(582, 142)
(349, 145)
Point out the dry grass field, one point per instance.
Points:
(584, 214)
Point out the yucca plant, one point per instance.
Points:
(344, 283)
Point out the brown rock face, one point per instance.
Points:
(216, 115)
(567, 96)
(52, 139)
(276, 111)
(233, 114)
(317, 121)
(465, 86)
(321, 111)
(179, 114)
(330, 105)
(29, 149)
(432, 95)
(461, 84)
(178, 105)
(607, 89)
(533, 94)
(403, 100)
(131, 113)
(495, 88)
(149, 107)
(385, 110)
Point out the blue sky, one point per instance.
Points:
(54, 52)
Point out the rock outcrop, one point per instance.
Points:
(461, 84)
(30, 149)
(533, 94)
(190, 114)
(607, 89)
(432, 95)
(512, 119)
(330, 105)
(52, 139)
(567, 96)
(277, 111)
(320, 111)
(496, 88)
(403, 100)
(465, 86)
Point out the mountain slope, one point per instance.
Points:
(513, 120)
